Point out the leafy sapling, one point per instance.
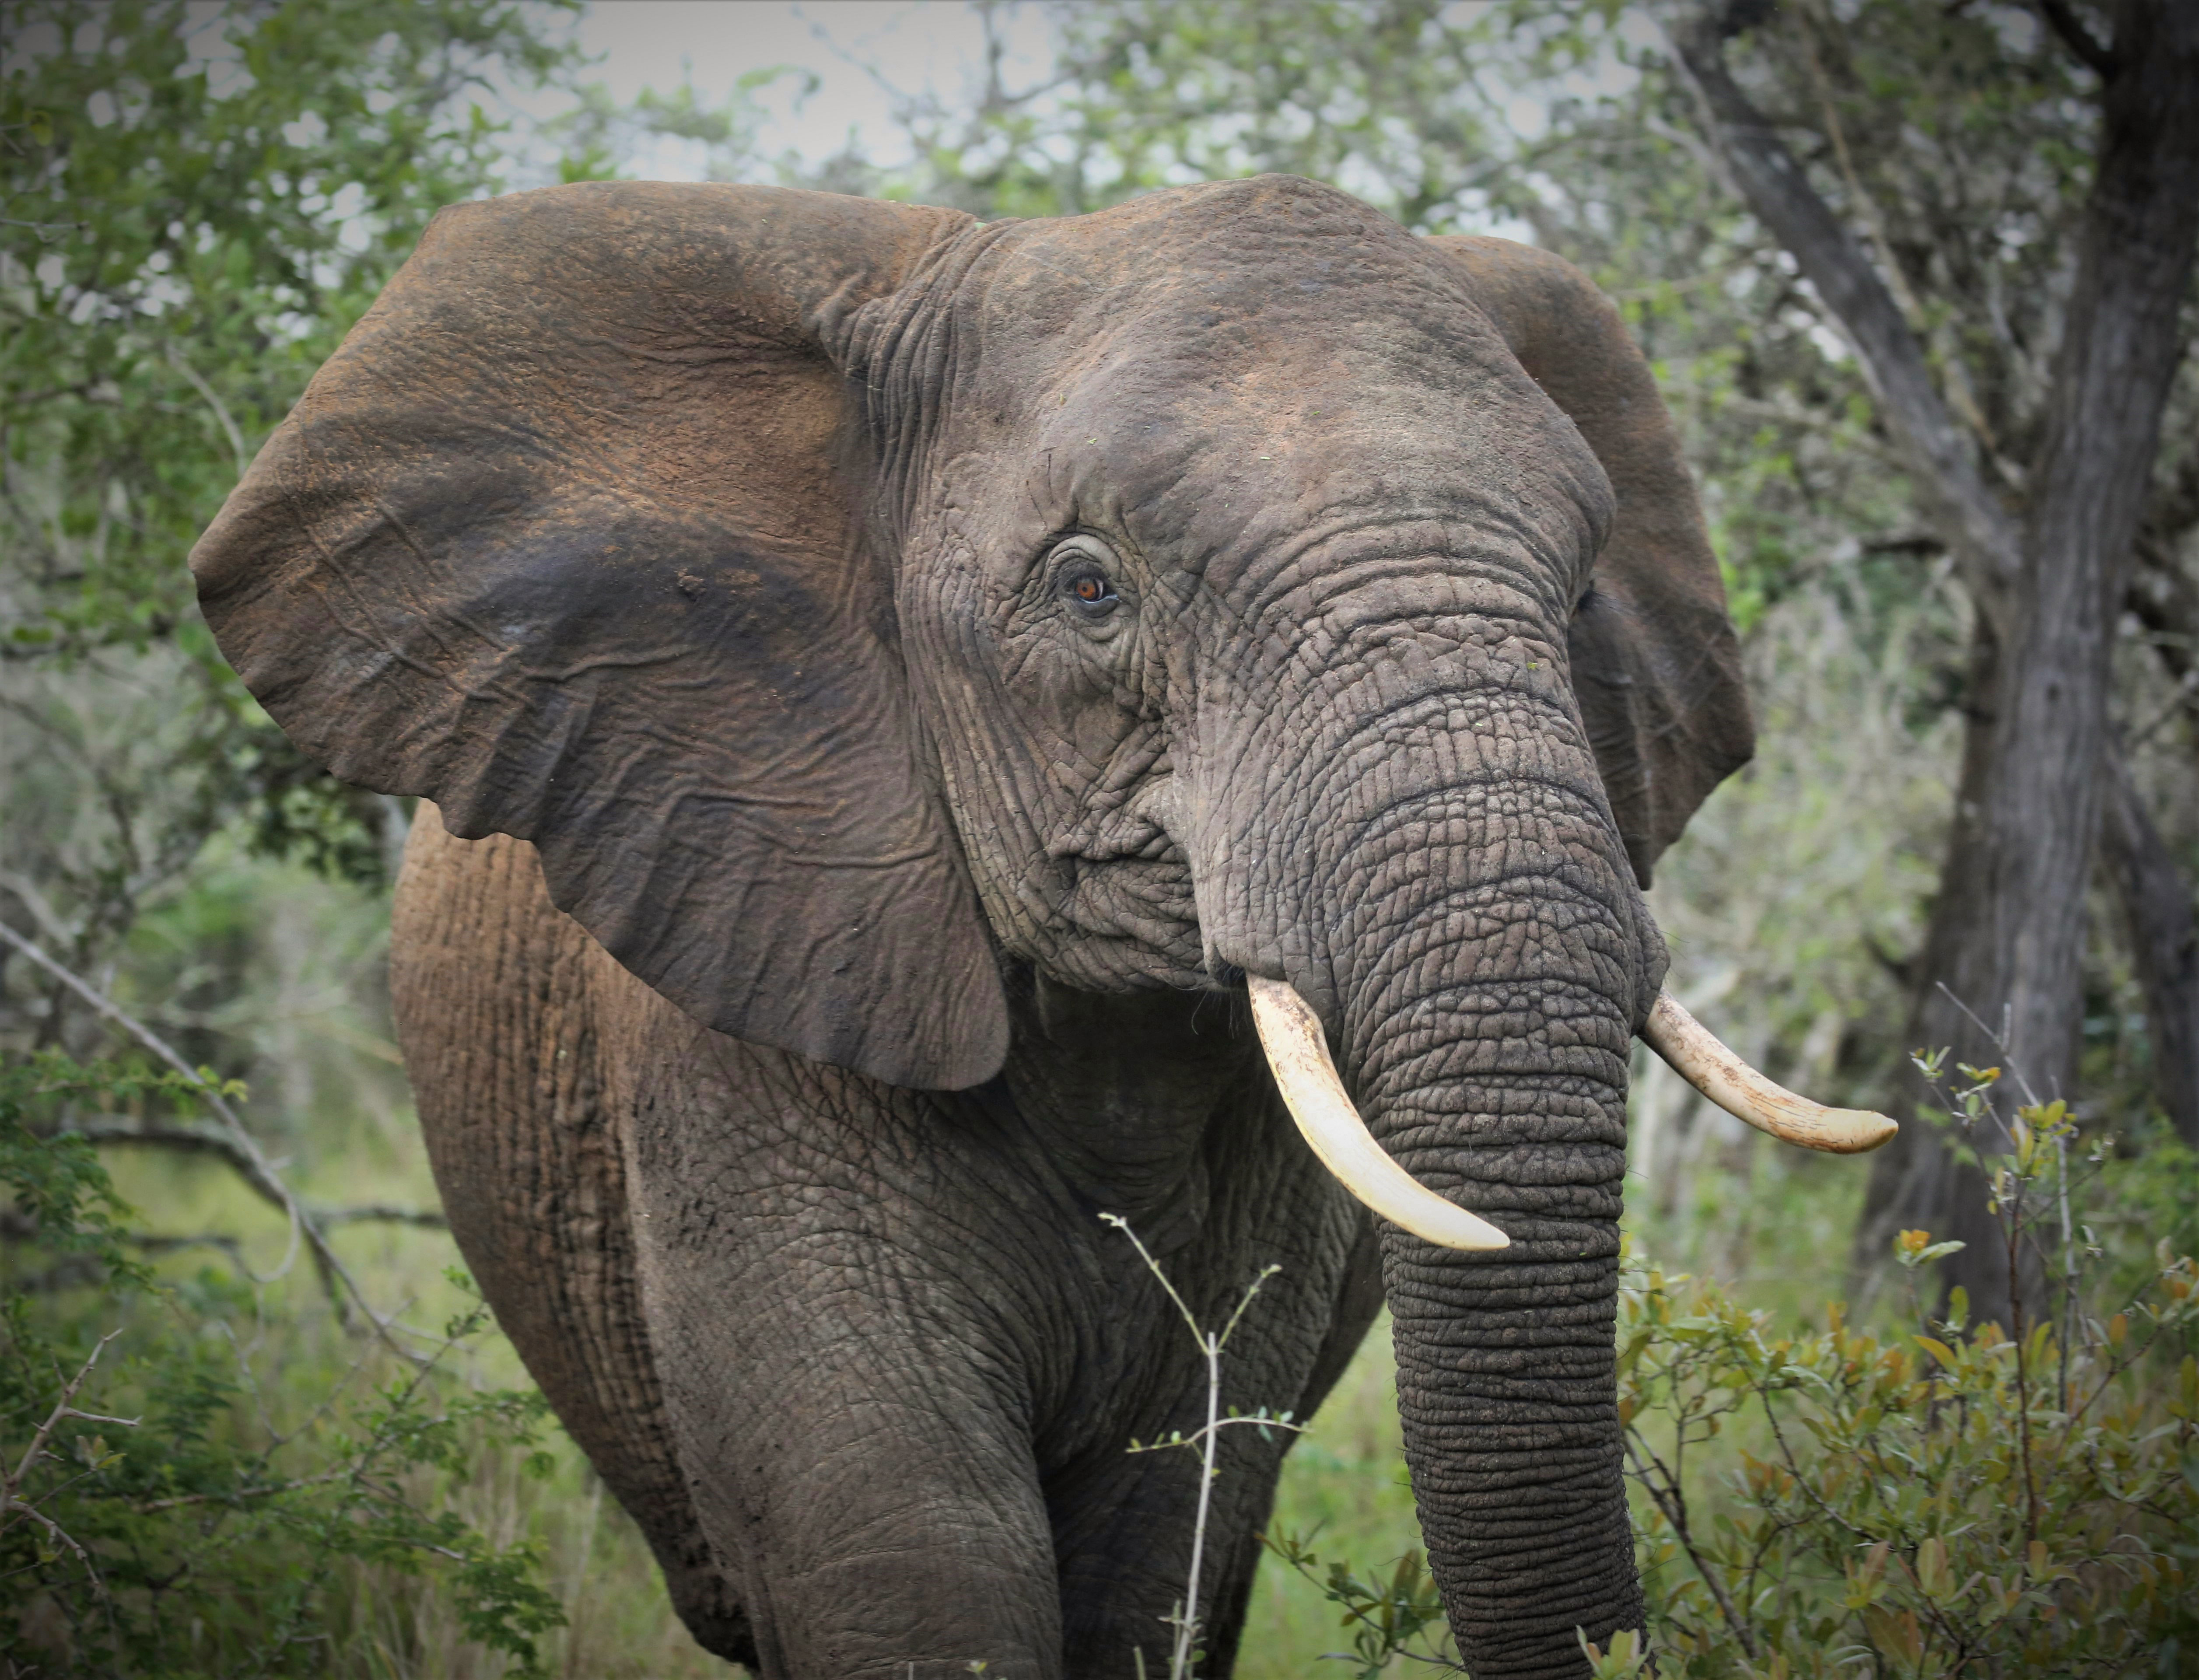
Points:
(1184, 1653)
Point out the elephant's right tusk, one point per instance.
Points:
(1742, 1092)
(1298, 1052)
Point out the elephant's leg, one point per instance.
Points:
(839, 1381)
(498, 998)
(1126, 1547)
(1124, 1523)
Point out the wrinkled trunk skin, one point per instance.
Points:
(1505, 1381)
(1493, 1065)
(1454, 902)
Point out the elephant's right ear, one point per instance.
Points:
(569, 538)
(1656, 666)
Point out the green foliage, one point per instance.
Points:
(198, 209)
(1386, 1615)
(61, 1190)
(160, 1513)
(195, 204)
(1957, 1497)
(1910, 1504)
(1933, 1496)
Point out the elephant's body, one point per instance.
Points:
(936, 663)
(862, 1362)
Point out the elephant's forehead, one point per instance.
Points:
(1274, 279)
(1258, 317)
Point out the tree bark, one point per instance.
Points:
(1917, 1181)
(2164, 942)
(2000, 978)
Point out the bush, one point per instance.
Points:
(162, 1511)
(1920, 1505)
(1959, 1497)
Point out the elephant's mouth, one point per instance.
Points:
(1298, 1053)
(1121, 891)
(1123, 920)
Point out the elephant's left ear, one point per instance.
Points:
(1655, 663)
(570, 537)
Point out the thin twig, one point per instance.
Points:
(2081, 41)
(41, 911)
(1999, 1043)
(1674, 1508)
(1207, 1439)
(11, 1487)
(61, 1410)
(257, 1170)
(151, 1506)
(177, 361)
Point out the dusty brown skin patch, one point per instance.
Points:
(939, 659)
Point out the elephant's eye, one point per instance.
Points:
(1081, 569)
(1090, 591)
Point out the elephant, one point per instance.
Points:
(944, 730)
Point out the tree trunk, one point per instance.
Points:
(1917, 1181)
(2164, 943)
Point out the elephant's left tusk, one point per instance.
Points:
(1298, 1052)
(1742, 1092)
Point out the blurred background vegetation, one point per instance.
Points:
(208, 1139)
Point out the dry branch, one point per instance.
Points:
(241, 1148)
(1770, 180)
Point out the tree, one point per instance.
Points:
(195, 203)
(2032, 433)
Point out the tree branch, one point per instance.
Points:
(257, 1170)
(2079, 39)
(2121, 347)
(234, 1495)
(1768, 177)
(382, 1213)
(213, 1140)
(13, 1481)
(186, 1138)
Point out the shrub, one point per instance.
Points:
(159, 1512)
(1937, 1497)
(1957, 1498)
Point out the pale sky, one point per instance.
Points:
(913, 45)
(862, 54)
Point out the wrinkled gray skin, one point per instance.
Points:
(724, 547)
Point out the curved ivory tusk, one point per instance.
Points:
(1742, 1092)
(1290, 1032)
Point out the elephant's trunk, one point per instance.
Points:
(1460, 914)
(1493, 1068)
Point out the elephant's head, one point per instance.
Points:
(853, 601)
